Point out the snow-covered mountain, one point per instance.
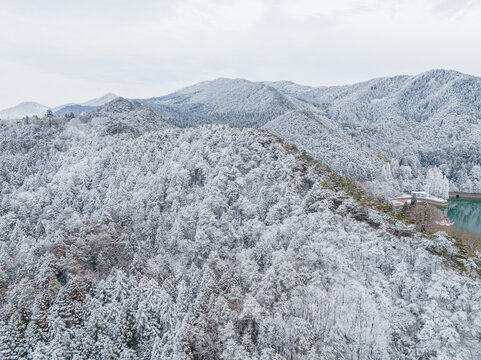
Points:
(388, 131)
(32, 108)
(235, 102)
(243, 103)
(101, 100)
(23, 109)
(84, 107)
(432, 119)
(434, 108)
(124, 238)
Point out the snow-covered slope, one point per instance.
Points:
(432, 119)
(84, 107)
(209, 243)
(316, 135)
(235, 102)
(23, 109)
(101, 100)
(395, 128)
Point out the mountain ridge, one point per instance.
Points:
(30, 108)
(250, 104)
(419, 122)
(211, 242)
(391, 130)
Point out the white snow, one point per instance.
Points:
(23, 109)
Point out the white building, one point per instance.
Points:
(420, 194)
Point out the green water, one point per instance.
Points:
(466, 214)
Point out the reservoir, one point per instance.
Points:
(465, 213)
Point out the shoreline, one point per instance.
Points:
(461, 195)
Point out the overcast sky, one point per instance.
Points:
(60, 51)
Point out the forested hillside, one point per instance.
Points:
(122, 237)
(424, 121)
(387, 132)
(235, 102)
(242, 103)
(325, 143)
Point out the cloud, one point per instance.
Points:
(63, 51)
(314, 8)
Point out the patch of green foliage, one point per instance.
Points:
(381, 157)
(456, 261)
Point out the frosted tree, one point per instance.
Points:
(123, 237)
(436, 183)
(475, 176)
(6, 342)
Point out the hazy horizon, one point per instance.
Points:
(59, 52)
(207, 80)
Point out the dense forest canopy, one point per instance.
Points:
(122, 237)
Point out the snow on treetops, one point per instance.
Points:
(124, 238)
(386, 132)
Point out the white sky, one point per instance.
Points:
(60, 51)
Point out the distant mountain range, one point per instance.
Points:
(32, 108)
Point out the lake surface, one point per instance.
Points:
(466, 214)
